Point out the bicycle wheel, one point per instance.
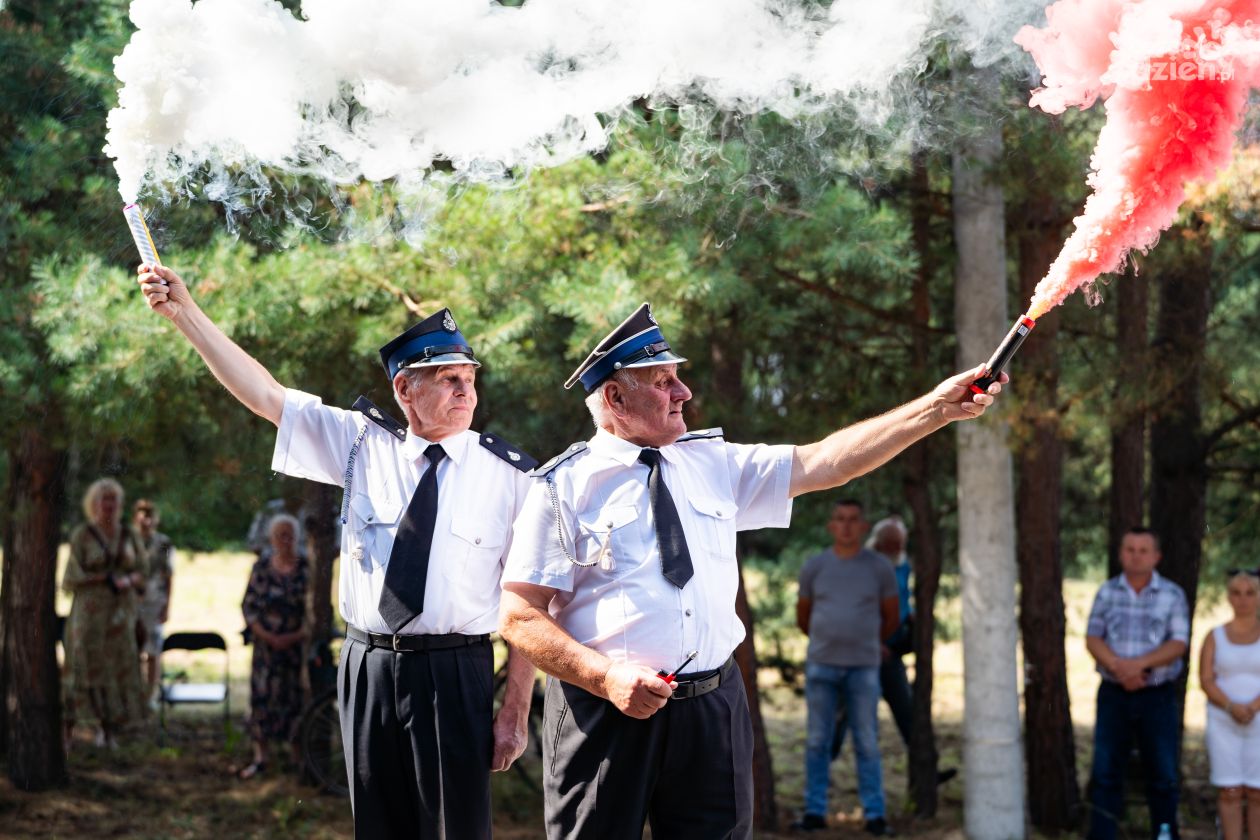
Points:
(319, 738)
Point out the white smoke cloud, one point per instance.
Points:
(213, 93)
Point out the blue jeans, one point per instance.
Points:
(898, 694)
(825, 686)
(1150, 715)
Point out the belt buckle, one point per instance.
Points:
(394, 642)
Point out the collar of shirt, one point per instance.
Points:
(1153, 585)
(456, 446)
(608, 445)
(622, 451)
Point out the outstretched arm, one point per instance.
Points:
(856, 450)
(239, 372)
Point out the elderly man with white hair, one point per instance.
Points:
(621, 584)
(427, 516)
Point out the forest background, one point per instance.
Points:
(813, 278)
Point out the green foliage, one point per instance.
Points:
(777, 254)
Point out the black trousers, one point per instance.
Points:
(687, 769)
(416, 728)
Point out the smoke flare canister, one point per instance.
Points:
(1019, 331)
(140, 233)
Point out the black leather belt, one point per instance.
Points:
(701, 683)
(413, 644)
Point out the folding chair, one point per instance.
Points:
(177, 691)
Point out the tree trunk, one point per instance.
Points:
(319, 522)
(728, 389)
(1128, 432)
(992, 754)
(765, 809)
(320, 514)
(28, 659)
(1179, 451)
(925, 532)
(1053, 792)
(319, 509)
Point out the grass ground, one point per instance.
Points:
(184, 788)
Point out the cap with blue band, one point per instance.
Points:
(636, 342)
(434, 341)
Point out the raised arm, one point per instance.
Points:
(239, 372)
(856, 450)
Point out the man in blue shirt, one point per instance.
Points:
(1138, 632)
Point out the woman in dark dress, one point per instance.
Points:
(275, 613)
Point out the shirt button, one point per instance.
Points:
(477, 541)
(687, 612)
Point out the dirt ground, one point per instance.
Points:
(185, 787)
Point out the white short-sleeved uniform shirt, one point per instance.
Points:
(479, 496)
(622, 605)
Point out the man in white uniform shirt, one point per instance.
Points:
(623, 565)
(427, 516)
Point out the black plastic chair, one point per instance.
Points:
(176, 691)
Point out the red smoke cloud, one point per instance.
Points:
(1174, 76)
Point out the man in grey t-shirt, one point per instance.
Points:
(848, 604)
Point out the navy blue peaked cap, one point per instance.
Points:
(636, 342)
(434, 341)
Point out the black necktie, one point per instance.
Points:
(402, 599)
(675, 558)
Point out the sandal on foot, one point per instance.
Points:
(249, 771)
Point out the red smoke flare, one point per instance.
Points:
(1174, 76)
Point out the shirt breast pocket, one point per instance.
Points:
(372, 516)
(610, 540)
(478, 542)
(715, 520)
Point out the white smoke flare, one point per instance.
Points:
(220, 90)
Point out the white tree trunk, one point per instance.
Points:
(993, 764)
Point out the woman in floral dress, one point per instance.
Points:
(275, 613)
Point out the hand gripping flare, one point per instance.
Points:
(993, 368)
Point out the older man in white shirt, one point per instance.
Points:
(427, 516)
(623, 566)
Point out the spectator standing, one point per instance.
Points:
(1139, 629)
(275, 613)
(155, 606)
(1229, 668)
(848, 603)
(104, 574)
(888, 537)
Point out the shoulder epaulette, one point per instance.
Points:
(580, 446)
(511, 453)
(702, 434)
(380, 418)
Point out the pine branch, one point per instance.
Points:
(891, 316)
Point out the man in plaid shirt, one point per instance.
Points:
(1139, 629)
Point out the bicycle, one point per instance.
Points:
(319, 727)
